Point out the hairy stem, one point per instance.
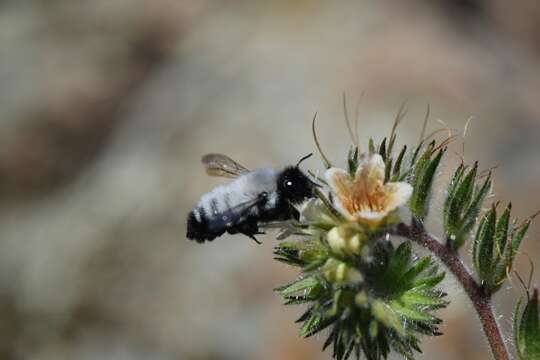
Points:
(481, 300)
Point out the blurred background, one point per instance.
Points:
(106, 107)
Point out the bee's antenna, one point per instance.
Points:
(304, 158)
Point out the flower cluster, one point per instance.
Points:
(359, 276)
(373, 296)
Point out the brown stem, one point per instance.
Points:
(481, 299)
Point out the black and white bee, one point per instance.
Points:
(254, 197)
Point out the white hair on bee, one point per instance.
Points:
(252, 199)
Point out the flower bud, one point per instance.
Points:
(336, 271)
(345, 240)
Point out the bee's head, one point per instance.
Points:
(294, 185)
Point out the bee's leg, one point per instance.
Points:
(294, 214)
(254, 238)
(250, 228)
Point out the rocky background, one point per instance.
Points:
(107, 105)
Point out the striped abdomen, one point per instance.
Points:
(235, 207)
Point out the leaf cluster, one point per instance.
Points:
(380, 298)
(387, 306)
(463, 204)
(495, 246)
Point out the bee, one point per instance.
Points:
(253, 197)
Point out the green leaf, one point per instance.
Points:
(419, 298)
(527, 329)
(450, 215)
(470, 217)
(413, 314)
(423, 180)
(459, 197)
(462, 204)
(315, 324)
(312, 322)
(502, 268)
(301, 284)
(306, 315)
(462, 195)
(416, 152)
(518, 333)
(388, 169)
(297, 300)
(401, 259)
(382, 150)
(288, 255)
(416, 269)
(397, 166)
(430, 281)
(501, 232)
(483, 251)
(517, 238)
(352, 160)
(506, 260)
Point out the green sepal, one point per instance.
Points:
(382, 150)
(484, 245)
(306, 283)
(424, 175)
(471, 214)
(518, 237)
(396, 173)
(412, 314)
(527, 329)
(429, 282)
(462, 204)
(388, 169)
(501, 232)
(495, 247)
(502, 268)
(420, 299)
(352, 160)
(456, 203)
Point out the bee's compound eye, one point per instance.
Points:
(288, 183)
(264, 194)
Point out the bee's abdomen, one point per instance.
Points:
(233, 207)
(212, 217)
(198, 226)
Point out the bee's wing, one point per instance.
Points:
(229, 219)
(222, 165)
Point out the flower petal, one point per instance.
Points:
(371, 216)
(336, 177)
(340, 183)
(398, 193)
(371, 166)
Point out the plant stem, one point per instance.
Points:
(481, 299)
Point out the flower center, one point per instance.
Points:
(368, 195)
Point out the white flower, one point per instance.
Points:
(366, 198)
(314, 211)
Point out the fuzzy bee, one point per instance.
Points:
(253, 197)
